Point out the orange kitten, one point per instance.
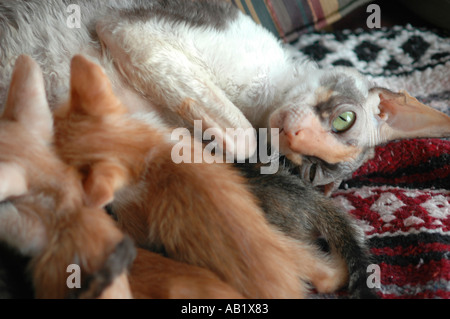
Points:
(157, 277)
(45, 217)
(201, 214)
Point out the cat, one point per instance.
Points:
(42, 215)
(306, 214)
(241, 76)
(159, 53)
(153, 276)
(201, 214)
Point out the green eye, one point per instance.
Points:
(343, 122)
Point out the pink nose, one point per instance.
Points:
(308, 137)
(292, 134)
(293, 137)
(289, 124)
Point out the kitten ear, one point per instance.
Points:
(102, 181)
(26, 101)
(12, 180)
(90, 89)
(402, 116)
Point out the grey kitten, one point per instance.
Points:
(306, 214)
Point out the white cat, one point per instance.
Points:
(232, 72)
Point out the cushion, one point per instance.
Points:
(433, 11)
(289, 18)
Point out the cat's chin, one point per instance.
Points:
(329, 188)
(294, 157)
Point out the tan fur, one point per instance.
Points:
(153, 276)
(119, 289)
(200, 214)
(327, 274)
(52, 201)
(322, 94)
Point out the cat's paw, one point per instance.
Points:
(22, 230)
(97, 194)
(330, 278)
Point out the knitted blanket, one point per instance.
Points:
(400, 198)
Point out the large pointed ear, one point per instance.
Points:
(90, 89)
(102, 181)
(402, 116)
(26, 101)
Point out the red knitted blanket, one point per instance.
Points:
(401, 199)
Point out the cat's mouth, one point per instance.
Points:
(314, 173)
(328, 189)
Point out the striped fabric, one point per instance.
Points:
(289, 18)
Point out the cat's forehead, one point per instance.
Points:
(347, 82)
(343, 85)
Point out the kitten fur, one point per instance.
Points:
(153, 276)
(43, 216)
(201, 214)
(306, 214)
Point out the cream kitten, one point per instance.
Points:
(42, 214)
(153, 276)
